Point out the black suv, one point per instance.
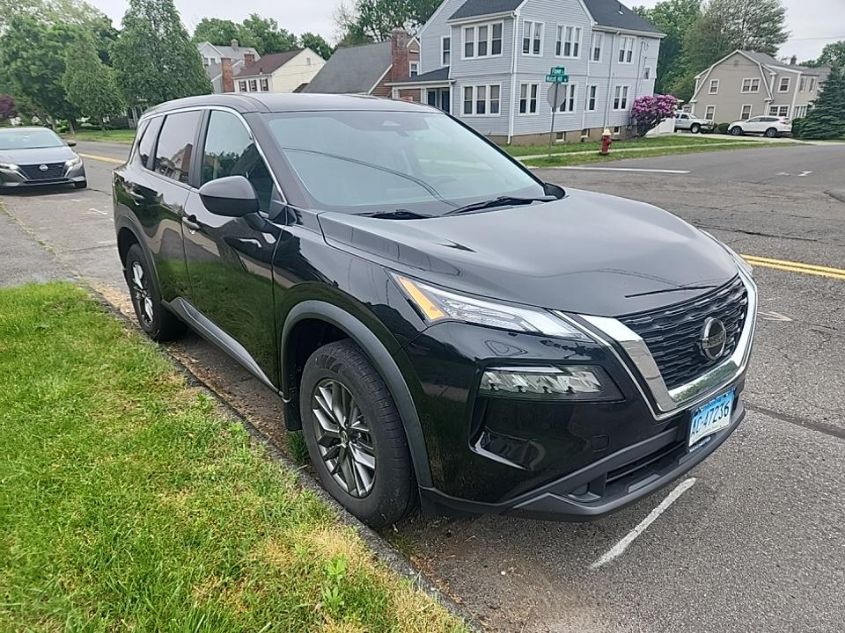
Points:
(441, 324)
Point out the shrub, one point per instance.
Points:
(722, 128)
(648, 111)
(797, 124)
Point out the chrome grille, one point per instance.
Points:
(55, 171)
(673, 334)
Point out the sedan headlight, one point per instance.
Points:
(11, 166)
(73, 162)
(436, 304)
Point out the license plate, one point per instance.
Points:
(711, 418)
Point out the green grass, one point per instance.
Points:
(560, 160)
(658, 141)
(128, 502)
(111, 136)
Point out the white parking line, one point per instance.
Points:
(93, 210)
(622, 545)
(632, 169)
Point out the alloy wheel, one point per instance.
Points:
(141, 293)
(343, 437)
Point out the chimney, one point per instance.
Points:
(227, 79)
(249, 58)
(793, 60)
(234, 43)
(399, 56)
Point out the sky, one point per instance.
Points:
(812, 23)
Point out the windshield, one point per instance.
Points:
(376, 161)
(28, 139)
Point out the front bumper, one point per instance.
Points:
(562, 460)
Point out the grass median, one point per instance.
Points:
(109, 136)
(129, 502)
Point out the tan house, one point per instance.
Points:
(279, 72)
(746, 83)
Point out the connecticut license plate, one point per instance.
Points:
(711, 418)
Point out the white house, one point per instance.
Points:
(213, 57)
(485, 61)
(279, 72)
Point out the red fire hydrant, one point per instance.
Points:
(605, 142)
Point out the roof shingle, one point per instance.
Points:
(268, 64)
(615, 14)
(352, 70)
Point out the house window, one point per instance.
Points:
(620, 98)
(568, 42)
(592, 93)
(779, 110)
(626, 49)
(812, 85)
(710, 113)
(647, 72)
(802, 84)
(483, 40)
(253, 85)
(783, 86)
(617, 130)
(413, 69)
(800, 112)
(745, 113)
(598, 40)
(750, 85)
(445, 51)
(714, 87)
(265, 84)
(482, 100)
(532, 38)
(528, 98)
(242, 86)
(568, 104)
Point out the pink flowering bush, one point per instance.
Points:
(7, 107)
(648, 111)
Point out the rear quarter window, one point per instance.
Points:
(147, 141)
(176, 143)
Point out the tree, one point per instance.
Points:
(90, 84)
(32, 55)
(67, 12)
(728, 25)
(7, 108)
(827, 118)
(648, 111)
(373, 20)
(316, 43)
(153, 57)
(674, 18)
(265, 36)
(218, 32)
(832, 55)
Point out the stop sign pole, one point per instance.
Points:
(557, 75)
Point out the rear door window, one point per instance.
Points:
(176, 145)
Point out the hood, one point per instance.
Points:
(588, 253)
(38, 156)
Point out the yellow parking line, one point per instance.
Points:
(796, 267)
(105, 159)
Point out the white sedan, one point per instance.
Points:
(770, 126)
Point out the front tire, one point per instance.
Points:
(695, 128)
(354, 435)
(736, 131)
(157, 322)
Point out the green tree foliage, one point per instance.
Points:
(827, 118)
(727, 25)
(373, 20)
(154, 58)
(832, 55)
(90, 84)
(32, 55)
(68, 12)
(265, 35)
(218, 32)
(674, 18)
(316, 43)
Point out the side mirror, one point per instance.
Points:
(231, 197)
(70, 143)
(551, 189)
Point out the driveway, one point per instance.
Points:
(754, 540)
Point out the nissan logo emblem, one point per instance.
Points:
(43, 167)
(714, 337)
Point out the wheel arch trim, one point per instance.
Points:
(384, 363)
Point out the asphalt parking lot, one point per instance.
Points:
(756, 542)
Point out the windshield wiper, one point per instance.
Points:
(398, 214)
(501, 201)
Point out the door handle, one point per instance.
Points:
(136, 196)
(191, 222)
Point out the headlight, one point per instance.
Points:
(744, 265)
(436, 304)
(11, 166)
(576, 382)
(73, 162)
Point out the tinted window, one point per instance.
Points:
(148, 141)
(176, 145)
(229, 151)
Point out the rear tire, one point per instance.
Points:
(355, 436)
(695, 128)
(771, 133)
(736, 131)
(157, 321)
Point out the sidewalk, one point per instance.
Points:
(22, 260)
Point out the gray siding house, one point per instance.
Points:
(746, 83)
(485, 61)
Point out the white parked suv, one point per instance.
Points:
(770, 126)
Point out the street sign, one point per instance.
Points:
(557, 79)
(557, 75)
(558, 70)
